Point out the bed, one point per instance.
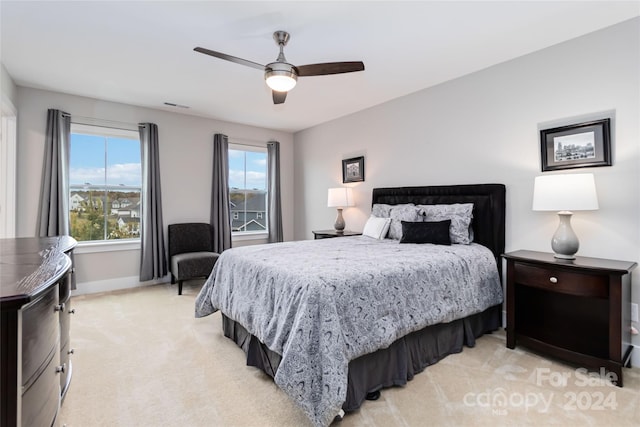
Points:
(336, 320)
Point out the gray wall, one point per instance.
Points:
(7, 86)
(186, 157)
(483, 128)
(8, 148)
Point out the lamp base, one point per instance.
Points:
(563, 256)
(339, 224)
(565, 241)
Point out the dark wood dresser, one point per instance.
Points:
(576, 310)
(35, 290)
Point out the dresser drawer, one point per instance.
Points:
(65, 287)
(65, 360)
(40, 333)
(41, 401)
(65, 322)
(562, 281)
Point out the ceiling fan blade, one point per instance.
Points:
(278, 97)
(329, 68)
(229, 58)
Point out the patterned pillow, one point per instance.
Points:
(408, 212)
(381, 210)
(460, 215)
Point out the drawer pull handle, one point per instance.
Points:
(72, 351)
(59, 307)
(72, 311)
(61, 368)
(553, 279)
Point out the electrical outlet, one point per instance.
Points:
(634, 312)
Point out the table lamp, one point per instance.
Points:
(565, 193)
(340, 198)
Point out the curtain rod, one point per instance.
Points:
(250, 141)
(113, 124)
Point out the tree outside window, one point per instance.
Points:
(105, 176)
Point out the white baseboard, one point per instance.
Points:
(116, 284)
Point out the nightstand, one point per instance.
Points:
(576, 310)
(326, 234)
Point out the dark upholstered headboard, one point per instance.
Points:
(488, 206)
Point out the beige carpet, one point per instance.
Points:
(142, 359)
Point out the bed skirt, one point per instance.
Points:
(391, 366)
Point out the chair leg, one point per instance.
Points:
(179, 287)
(173, 279)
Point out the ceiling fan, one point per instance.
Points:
(281, 76)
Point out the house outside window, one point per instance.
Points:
(105, 177)
(248, 189)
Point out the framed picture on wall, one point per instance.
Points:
(353, 169)
(576, 146)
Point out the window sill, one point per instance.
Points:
(94, 247)
(249, 236)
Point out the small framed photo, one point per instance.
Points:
(576, 146)
(353, 169)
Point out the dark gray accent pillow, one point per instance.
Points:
(436, 232)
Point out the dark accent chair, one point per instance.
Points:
(191, 252)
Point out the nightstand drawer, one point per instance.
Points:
(562, 281)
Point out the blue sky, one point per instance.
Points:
(256, 169)
(87, 163)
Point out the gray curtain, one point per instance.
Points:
(153, 260)
(220, 215)
(53, 212)
(274, 209)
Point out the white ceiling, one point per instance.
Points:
(141, 52)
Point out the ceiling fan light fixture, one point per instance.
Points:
(280, 77)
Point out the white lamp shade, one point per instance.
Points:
(340, 197)
(566, 192)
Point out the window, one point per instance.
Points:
(248, 189)
(105, 181)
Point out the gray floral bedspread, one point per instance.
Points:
(321, 303)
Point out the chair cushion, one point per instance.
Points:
(189, 237)
(193, 264)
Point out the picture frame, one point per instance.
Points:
(579, 145)
(353, 169)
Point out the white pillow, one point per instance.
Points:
(376, 227)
